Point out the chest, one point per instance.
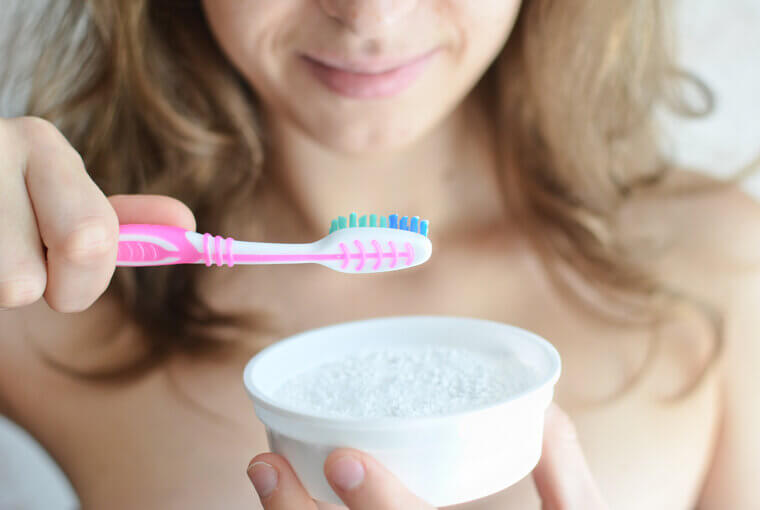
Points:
(644, 453)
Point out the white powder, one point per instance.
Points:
(409, 382)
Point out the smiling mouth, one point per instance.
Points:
(367, 79)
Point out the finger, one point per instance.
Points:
(22, 264)
(363, 484)
(277, 485)
(562, 477)
(75, 220)
(152, 209)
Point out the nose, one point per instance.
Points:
(367, 17)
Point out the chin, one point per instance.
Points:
(358, 142)
(366, 134)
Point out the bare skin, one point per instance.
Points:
(182, 435)
(143, 445)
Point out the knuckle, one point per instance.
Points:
(38, 128)
(91, 241)
(45, 137)
(21, 291)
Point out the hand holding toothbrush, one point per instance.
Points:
(59, 229)
(65, 237)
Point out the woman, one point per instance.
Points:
(522, 130)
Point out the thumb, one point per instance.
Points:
(562, 477)
(152, 209)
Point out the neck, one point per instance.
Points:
(448, 176)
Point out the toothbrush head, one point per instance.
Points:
(374, 244)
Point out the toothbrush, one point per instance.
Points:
(369, 244)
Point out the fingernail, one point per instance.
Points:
(264, 478)
(346, 473)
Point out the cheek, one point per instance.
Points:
(253, 34)
(484, 25)
(485, 13)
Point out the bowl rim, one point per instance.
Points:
(260, 399)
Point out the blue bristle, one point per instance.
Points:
(415, 225)
(393, 221)
(333, 226)
(363, 221)
(424, 227)
(404, 223)
(383, 222)
(373, 220)
(352, 220)
(342, 223)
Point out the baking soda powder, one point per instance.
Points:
(407, 382)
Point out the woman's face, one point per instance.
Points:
(361, 75)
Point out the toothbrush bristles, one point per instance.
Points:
(413, 224)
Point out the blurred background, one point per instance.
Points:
(718, 40)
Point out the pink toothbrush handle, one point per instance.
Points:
(161, 245)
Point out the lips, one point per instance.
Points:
(369, 79)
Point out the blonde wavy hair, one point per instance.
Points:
(146, 96)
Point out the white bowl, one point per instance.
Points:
(445, 460)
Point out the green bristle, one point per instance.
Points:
(373, 220)
(383, 222)
(352, 220)
(333, 226)
(342, 222)
(363, 221)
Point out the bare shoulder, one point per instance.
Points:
(22, 361)
(709, 229)
(41, 348)
(706, 237)
(714, 254)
